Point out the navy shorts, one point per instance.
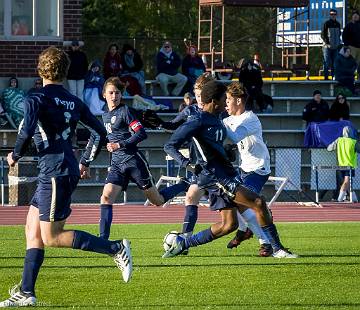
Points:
(53, 197)
(346, 173)
(136, 170)
(253, 181)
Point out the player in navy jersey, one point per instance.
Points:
(215, 172)
(124, 132)
(50, 117)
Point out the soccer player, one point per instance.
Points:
(50, 118)
(124, 133)
(244, 129)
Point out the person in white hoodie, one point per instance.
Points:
(244, 129)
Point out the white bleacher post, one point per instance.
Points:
(350, 185)
(2, 179)
(272, 89)
(317, 198)
(288, 106)
(331, 89)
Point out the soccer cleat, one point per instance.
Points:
(265, 250)
(123, 259)
(240, 237)
(18, 298)
(177, 247)
(284, 253)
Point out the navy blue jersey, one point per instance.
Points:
(122, 127)
(208, 134)
(50, 117)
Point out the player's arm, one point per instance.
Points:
(183, 134)
(139, 133)
(97, 137)
(332, 146)
(27, 129)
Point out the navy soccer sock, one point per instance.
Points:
(273, 236)
(87, 242)
(202, 237)
(190, 218)
(33, 260)
(106, 216)
(173, 190)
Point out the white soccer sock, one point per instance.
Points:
(188, 234)
(354, 197)
(250, 217)
(242, 224)
(341, 196)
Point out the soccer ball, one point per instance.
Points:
(169, 238)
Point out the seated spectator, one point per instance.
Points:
(192, 66)
(12, 99)
(94, 82)
(112, 62)
(77, 70)
(132, 65)
(250, 77)
(317, 110)
(168, 63)
(188, 100)
(345, 66)
(346, 148)
(340, 109)
(38, 84)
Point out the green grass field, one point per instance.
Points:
(327, 276)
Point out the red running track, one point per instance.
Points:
(138, 214)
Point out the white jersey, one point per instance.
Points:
(245, 130)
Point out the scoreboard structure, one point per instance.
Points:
(297, 27)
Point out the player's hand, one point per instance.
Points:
(112, 147)
(10, 160)
(84, 172)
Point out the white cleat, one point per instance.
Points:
(283, 253)
(123, 260)
(18, 299)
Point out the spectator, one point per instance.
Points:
(77, 70)
(250, 77)
(317, 110)
(168, 63)
(38, 84)
(94, 82)
(351, 38)
(256, 60)
(330, 35)
(188, 100)
(346, 148)
(13, 98)
(345, 66)
(132, 65)
(192, 66)
(340, 110)
(112, 62)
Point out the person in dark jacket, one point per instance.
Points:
(168, 63)
(78, 69)
(192, 66)
(351, 38)
(340, 109)
(330, 35)
(132, 65)
(112, 62)
(317, 110)
(345, 66)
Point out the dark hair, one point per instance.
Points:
(213, 90)
(355, 12)
(14, 78)
(127, 47)
(113, 45)
(333, 11)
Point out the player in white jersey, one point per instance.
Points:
(245, 130)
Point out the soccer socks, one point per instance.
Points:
(242, 224)
(190, 218)
(106, 216)
(173, 190)
(202, 237)
(33, 260)
(87, 242)
(273, 236)
(250, 217)
(341, 197)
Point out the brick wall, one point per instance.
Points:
(19, 58)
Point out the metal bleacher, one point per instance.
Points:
(283, 128)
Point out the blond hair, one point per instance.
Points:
(202, 80)
(53, 64)
(236, 89)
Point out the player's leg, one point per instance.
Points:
(344, 186)
(24, 293)
(115, 181)
(192, 199)
(243, 232)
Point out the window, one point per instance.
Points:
(30, 19)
